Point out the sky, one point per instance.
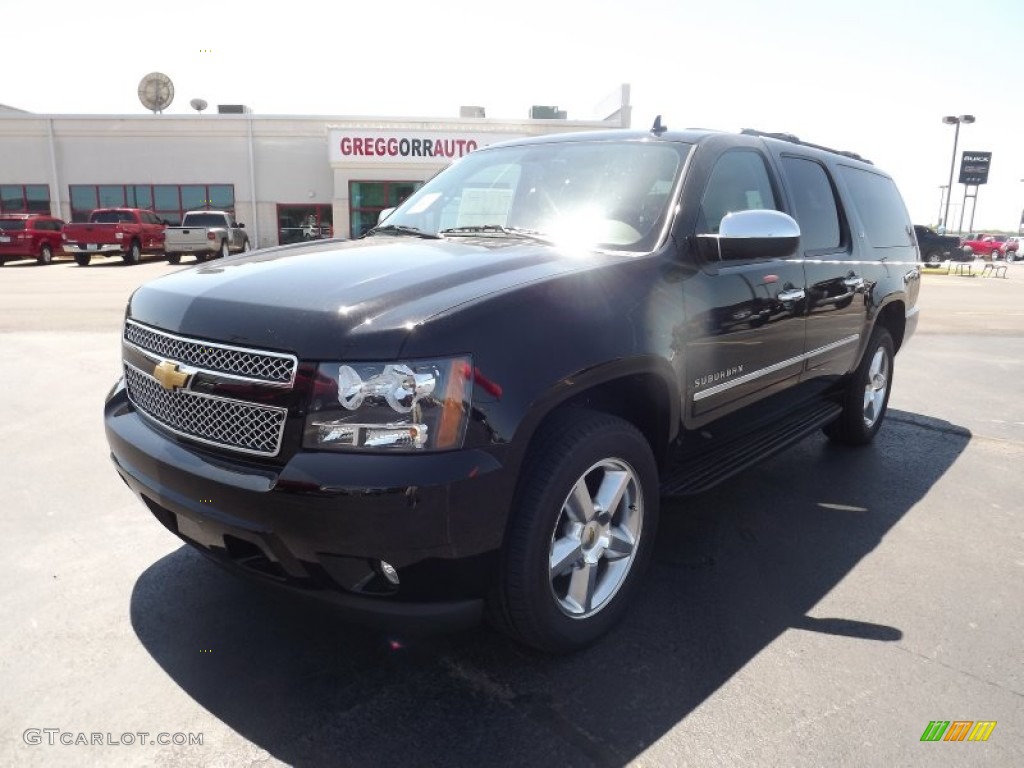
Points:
(871, 76)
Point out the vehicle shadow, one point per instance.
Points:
(734, 568)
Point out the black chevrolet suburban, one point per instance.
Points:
(474, 409)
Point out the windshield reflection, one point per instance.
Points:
(600, 194)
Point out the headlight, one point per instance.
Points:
(408, 406)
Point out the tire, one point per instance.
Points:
(225, 251)
(866, 398)
(570, 568)
(201, 256)
(83, 259)
(245, 246)
(933, 260)
(45, 255)
(133, 255)
(995, 254)
(174, 258)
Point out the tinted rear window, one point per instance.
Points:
(111, 217)
(12, 225)
(880, 206)
(203, 220)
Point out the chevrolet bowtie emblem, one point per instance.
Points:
(169, 376)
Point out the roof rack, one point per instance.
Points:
(794, 140)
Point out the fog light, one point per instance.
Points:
(389, 572)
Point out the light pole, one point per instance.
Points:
(953, 120)
(942, 194)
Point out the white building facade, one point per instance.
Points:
(287, 178)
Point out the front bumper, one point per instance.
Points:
(323, 522)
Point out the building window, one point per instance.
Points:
(24, 198)
(168, 201)
(296, 223)
(368, 198)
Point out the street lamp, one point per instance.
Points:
(942, 195)
(953, 120)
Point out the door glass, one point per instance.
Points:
(739, 182)
(298, 223)
(816, 211)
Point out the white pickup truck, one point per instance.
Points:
(205, 234)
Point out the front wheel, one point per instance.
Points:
(866, 397)
(581, 532)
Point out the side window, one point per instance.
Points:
(815, 202)
(739, 182)
(880, 206)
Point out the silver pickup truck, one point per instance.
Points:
(205, 234)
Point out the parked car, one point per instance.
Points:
(124, 232)
(29, 236)
(205, 234)
(482, 400)
(980, 244)
(936, 248)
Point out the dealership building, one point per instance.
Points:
(287, 178)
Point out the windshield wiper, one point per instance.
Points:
(531, 234)
(401, 229)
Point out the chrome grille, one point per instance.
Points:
(244, 427)
(237, 361)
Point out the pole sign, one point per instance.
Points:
(974, 167)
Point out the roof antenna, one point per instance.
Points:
(657, 129)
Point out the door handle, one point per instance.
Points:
(854, 283)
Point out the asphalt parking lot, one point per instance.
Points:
(821, 609)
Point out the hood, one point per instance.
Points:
(343, 300)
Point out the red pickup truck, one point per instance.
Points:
(984, 245)
(128, 232)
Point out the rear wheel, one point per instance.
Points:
(45, 255)
(245, 246)
(83, 259)
(866, 398)
(174, 258)
(225, 251)
(581, 533)
(933, 259)
(133, 255)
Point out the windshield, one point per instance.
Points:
(604, 194)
